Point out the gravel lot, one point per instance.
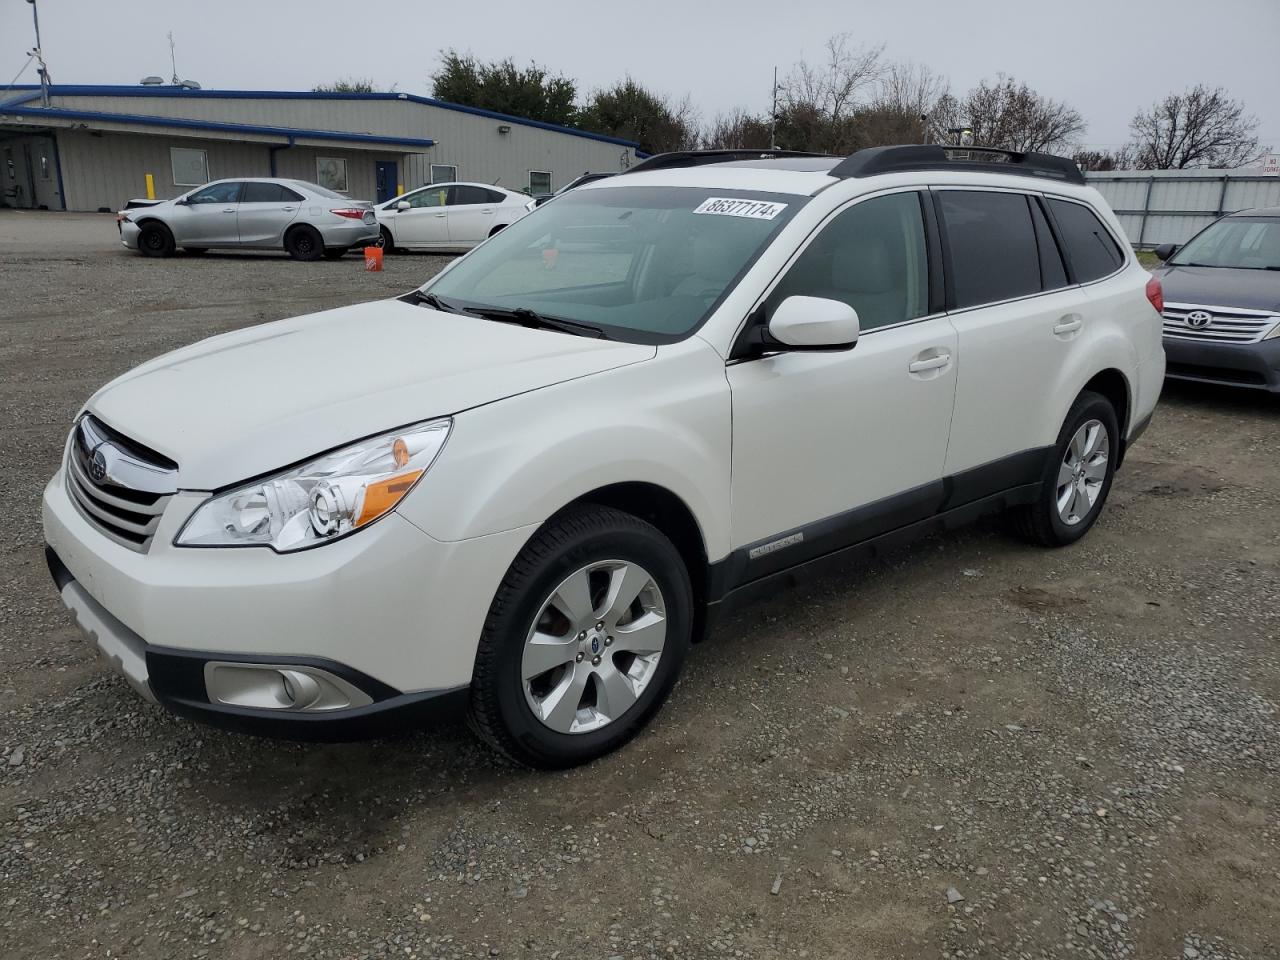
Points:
(974, 749)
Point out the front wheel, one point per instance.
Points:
(583, 641)
(1078, 475)
(385, 241)
(155, 240)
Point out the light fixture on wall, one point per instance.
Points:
(504, 129)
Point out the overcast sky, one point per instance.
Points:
(1105, 57)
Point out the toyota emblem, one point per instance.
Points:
(1199, 319)
(98, 467)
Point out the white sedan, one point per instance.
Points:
(448, 216)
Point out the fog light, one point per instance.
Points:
(284, 687)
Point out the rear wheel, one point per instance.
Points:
(584, 640)
(335, 253)
(498, 229)
(155, 240)
(1078, 475)
(304, 243)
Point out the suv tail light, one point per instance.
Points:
(351, 213)
(1155, 293)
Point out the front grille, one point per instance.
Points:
(126, 503)
(1225, 325)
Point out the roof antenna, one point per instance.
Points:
(173, 60)
(38, 54)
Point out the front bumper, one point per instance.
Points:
(175, 679)
(1252, 365)
(392, 611)
(128, 233)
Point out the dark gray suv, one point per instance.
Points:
(1222, 302)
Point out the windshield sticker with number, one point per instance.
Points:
(751, 209)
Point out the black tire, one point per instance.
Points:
(155, 240)
(1041, 522)
(498, 229)
(195, 251)
(335, 253)
(576, 537)
(385, 241)
(304, 243)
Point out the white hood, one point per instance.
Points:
(245, 403)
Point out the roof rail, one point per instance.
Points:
(696, 158)
(877, 160)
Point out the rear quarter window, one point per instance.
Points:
(1090, 248)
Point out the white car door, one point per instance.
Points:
(425, 223)
(834, 447)
(1022, 326)
(471, 214)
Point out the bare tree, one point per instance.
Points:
(1121, 159)
(1010, 115)
(1200, 127)
(737, 130)
(817, 101)
(913, 90)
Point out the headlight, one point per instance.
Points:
(1275, 332)
(322, 500)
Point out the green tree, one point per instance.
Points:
(347, 85)
(531, 92)
(632, 112)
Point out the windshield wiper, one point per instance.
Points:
(431, 300)
(531, 318)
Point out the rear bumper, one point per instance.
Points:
(175, 679)
(350, 233)
(1254, 366)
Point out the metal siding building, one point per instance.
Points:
(93, 147)
(1171, 206)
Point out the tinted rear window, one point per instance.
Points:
(1053, 274)
(268, 193)
(1090, 247)
(992, 243)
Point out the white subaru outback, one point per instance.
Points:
(524, 489)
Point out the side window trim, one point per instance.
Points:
(755, 314)
(1038, 203)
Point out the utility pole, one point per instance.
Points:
(39, 55)
(173, 59)
(773, 116)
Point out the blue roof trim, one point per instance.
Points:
(290, 133)
(62, 90)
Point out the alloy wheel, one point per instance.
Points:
(594, 646)
(1083, 472)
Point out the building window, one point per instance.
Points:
(44, 167)
(331, 172)
(190, 166)
(539, 182)
(444, 173)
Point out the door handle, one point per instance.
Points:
(1068, 324)
(441, 215)
(288, 209)
(932, 363)
(229, 210)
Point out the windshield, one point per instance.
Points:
(643, 264)
(1248, 243)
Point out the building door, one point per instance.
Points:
(385, 175)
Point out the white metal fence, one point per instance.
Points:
(1171, 206)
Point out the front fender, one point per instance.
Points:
(665, 421)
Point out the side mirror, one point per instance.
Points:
(1166, 250)
(403, 205)
(814, 323)
(182, 202)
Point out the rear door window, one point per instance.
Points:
(1091, 249)
(465, 194)
(256, 192)
(992, 242)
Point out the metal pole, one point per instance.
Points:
(44, 72)
(1146, 208)
(773, 117)
(1222, 195)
